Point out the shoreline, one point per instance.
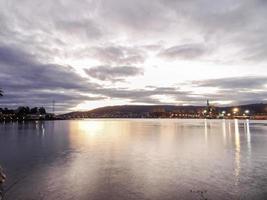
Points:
(114, 118)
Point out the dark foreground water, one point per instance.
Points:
(135, 159)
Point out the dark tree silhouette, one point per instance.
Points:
(42, 111)
(34, 110)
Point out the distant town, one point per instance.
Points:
(251, 111)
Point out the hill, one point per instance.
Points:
(142, 111)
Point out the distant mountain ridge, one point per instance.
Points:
(143, 110)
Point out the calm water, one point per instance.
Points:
(135, 159)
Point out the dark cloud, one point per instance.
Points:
(22, 70)
(113, 74)
(27, 81)
(186, 51)
(63, 101)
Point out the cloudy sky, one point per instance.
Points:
(91, 53)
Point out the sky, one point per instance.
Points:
(91, 53)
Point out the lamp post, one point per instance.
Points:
(235, 111)
(223, 114)
(246, 113)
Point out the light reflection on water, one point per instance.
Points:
(135, 159)
(224, 130)
(237, 151)
(247, 131)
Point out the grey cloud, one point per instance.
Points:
(186, 51)
(138, 17)
(239, 24)
(241, 83)
(152, 47)
(63, 101)
(238, 96)
(82, 27)
(239, 90)
(149, 96)
(138, 94)
(147, 100)
(119, 55)
(113, 74)
(234, 24)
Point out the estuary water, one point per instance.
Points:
(123, 159)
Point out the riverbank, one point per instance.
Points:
(171, 118)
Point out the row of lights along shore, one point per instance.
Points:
(235, 112)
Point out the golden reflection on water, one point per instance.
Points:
(91, 128)
(90, 132)
(229, 128)
(206, 130)
(99, 141)
(247, 130)
(124, 136)
(224, 130)
(232, 130)
(237, 152)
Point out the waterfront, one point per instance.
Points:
(135, 159)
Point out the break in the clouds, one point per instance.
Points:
(88, 53)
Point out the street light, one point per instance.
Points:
(235, 110)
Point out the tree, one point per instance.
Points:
(23, 110)
(42, 111)
(34, 110)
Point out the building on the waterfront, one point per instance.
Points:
(210, 111)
